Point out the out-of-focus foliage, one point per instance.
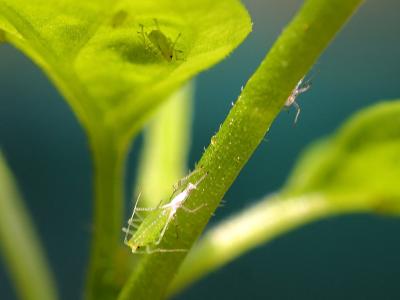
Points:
(20, 245)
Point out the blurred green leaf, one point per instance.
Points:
(361, 159)
(357, 170)
(93, 52)
(19, 244)
(166, 146)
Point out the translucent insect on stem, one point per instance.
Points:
(291, 100)
(140, 234)
(160, 41)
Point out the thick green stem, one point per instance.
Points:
(299, 46)
(109, 162)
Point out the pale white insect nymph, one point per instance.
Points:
(151, 234)
(291, 100)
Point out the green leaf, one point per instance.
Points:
(95, 55)
(355, 171)
(114, 77)
(263, 97)
(19, 244)
(361, 159)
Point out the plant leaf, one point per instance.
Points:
(362, 158)
(20, 245)
(355, 171)
(93, 52)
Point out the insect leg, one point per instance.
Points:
(142, 34)
(181, 181)
(148, 208)
(298, 110)
(176, 40)
(131, 223)
(138, 216)
(173, 50)
(193, 210)
(164, 229)
(200, 180)
(127, 233)
(304, 88)
(160, 250)
(136, 208)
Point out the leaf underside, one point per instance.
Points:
(95, 53)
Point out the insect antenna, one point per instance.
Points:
(159, 250)
(176, 40)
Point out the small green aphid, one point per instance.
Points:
(147, 233)
(160, 41)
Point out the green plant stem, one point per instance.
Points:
(109, 162)
(264, 221)
(20, 245)
(291, 57)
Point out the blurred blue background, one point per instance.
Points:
(352, 257)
